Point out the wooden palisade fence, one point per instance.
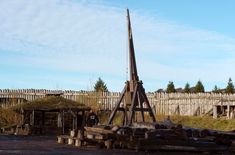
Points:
(190, 104)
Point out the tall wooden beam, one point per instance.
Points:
(132, 61)
(133, 93)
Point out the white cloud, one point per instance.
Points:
(90, 38)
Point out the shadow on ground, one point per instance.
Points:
(36, 145)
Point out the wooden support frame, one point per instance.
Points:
(117, 106)
(139, 98)
(133, 105)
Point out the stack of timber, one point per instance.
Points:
(102, 136)
(153, 137)
(76, 138)
(176, 138)
(168, 136)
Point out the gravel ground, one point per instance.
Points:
(36, 145)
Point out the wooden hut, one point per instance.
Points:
(52, 115)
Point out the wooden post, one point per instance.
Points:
(228, 111)
(215, 111)
(133, 105)
(32, 118)
(59, 120)
(83, 118)
(76, 121)
(63, 122)
(232, 117)
(22, 116)
(42, 130)
(43, 118)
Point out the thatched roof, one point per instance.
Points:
(52, 103)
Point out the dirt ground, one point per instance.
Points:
(36, 145)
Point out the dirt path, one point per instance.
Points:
(36, 145)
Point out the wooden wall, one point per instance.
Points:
(162, 103)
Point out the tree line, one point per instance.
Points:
(100, 86)
(198, 88)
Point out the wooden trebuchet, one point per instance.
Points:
(133, 98)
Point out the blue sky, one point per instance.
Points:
(68, 44)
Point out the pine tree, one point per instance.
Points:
(187, 88)
(199, 88)
(230, 87)
(216, 89)
(170, 87)
(100, 86)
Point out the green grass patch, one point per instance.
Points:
(191, 121)
(104, 116)
(202, 122)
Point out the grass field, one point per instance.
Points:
(191, 121)
(202, 122)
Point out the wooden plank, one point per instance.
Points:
(98, 130)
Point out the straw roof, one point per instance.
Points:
(52, 103)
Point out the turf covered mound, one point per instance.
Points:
(51, 103)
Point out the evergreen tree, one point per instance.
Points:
(100, 86)
(216, 89)
(170, 87)
(187, 88)
(199, 88)
(230, 87)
